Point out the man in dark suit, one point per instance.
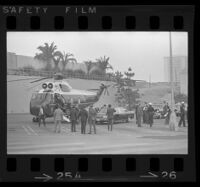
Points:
(150, 113)
(83, 115)
(110, 116)
(182, 115)
(73, 118)
(92, 119)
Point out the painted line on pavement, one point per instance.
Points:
(32, 130)
(26, 130)
(46, 145)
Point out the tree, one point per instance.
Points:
(103, 64)
(48, 54)
(67, 58)
(131, 97)
(96, 72)
(129, 74)
(89, 65)
(125, 95)
(118, 78)
(57, 58)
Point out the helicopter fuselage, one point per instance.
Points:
(62, 94)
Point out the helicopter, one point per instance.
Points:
(59, 92)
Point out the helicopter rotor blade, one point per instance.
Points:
(34, 86)
(40, 79)
(92, 89)
(15, 80)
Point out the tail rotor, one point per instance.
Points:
(105, 89)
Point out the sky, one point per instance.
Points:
(144, 52)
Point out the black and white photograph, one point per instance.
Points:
(97, 93)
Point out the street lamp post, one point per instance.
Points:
(173, 122)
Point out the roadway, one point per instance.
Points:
(25, 137)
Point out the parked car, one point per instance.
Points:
(121, 115)
(158, 114)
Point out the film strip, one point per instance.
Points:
(97, 167)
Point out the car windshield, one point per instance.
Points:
(103, 111)
(121, 110)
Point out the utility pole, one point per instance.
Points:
(149, 80)
(171, 71)
(173, 115)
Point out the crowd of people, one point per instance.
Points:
(79, 115)
(144, 114)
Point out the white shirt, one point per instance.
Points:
(41, 111)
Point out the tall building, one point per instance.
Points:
(179, 64)
(184, 82)
(180, 71)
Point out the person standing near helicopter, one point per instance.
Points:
(73, 118)
(58, 117)
(41, 116)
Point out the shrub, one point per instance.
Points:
(97, 72)
(79, 72)
(68, 72)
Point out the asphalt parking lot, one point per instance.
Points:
(25, 137)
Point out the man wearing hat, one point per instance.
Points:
(182, 114)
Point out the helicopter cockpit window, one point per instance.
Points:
(64, 88)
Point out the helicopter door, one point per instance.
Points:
(59, 100)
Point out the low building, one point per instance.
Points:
(15, 61)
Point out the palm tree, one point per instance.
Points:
(67, 58)
(48, 54)
(57, 59)
(103, 64)
(118, 76)
(89, 65)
